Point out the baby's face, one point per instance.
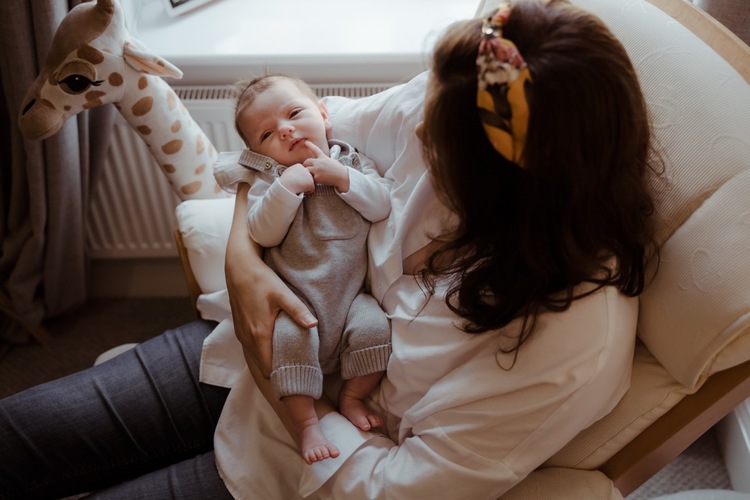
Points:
(281, 119)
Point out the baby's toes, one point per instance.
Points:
(362, 422)
(316, 454)
(374, 420)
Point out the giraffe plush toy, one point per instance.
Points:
(94, 60)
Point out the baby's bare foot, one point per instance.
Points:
(351, 401)
(358, 413)
(314, 445)
(306, 430)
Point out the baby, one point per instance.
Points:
(310, 204)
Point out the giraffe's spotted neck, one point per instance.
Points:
(175, 140)
(94, 60)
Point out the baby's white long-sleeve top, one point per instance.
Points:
(272, 207)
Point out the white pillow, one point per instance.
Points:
(700, 106)
(205, 225)
(695, 317)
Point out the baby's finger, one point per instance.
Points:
(315, 150)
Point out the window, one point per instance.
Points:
(324, 41)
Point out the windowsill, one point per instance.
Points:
(347, 41)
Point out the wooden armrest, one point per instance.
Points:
(192, 284)
(728, 45)
(563, 484)
(677, 429)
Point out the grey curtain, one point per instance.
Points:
(44, 185)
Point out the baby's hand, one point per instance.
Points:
(297, 179)
(325, 170)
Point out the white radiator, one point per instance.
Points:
(132, 212)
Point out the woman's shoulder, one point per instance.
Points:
(373, 123)
(591, 341)
(402, 97)
(595, 316)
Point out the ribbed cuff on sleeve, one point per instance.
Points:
(291, 380)
(365, 361)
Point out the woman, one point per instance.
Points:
(559, 224)
(508, 269)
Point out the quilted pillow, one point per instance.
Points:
(699, 302)
(694, 317)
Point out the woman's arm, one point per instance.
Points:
(256, 293)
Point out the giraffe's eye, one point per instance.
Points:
(76, 84)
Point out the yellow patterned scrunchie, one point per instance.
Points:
(503, 79)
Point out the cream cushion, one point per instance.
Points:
(653, 392)
(695, 315)
(699, 301)
(204, 226)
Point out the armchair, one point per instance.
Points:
(692, 362)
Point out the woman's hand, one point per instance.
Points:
(256, 293)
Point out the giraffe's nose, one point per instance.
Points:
(28, 106)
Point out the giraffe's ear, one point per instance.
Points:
(146, 62)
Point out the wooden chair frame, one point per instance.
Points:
(194, 289)
(671, 434)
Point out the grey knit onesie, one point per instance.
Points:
(323, 259)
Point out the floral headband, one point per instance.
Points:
(503, 78)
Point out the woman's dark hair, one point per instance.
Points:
(579, 210)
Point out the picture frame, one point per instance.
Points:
(178, 7)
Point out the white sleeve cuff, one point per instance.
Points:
(280, 193)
